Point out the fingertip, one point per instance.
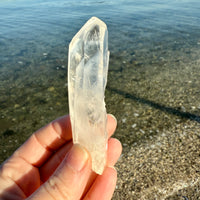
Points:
(111, 171)
(77, 157)
(114, 151)
(110, 174)
(104, 185)
(111, 124)
(62, 126)
(113, 117)
(70, 178)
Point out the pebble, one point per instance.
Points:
(16, 106)
(136, 114)
(130, 154)
(183, 109)
(51, 89)
(142, 131)
(123, 120)
(58, 103)
(122, 155)
(20, 62)
(163, 135)
(134, 125)
(45, 54)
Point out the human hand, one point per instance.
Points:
(49, 166)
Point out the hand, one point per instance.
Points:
(48, 166)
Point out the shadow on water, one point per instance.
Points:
(166, 109)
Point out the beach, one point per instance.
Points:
(152, 87)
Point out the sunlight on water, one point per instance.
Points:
(153, 79)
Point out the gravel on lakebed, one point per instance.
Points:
(166, 166)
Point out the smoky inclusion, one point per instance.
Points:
(87, 76)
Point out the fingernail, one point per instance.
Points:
(112, 167)
(77, 157)
(113, 117)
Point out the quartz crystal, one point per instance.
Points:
(87, 76)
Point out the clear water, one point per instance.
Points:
(154, 65)
(153, 84)
(46, 24)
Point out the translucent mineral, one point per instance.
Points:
(87, 76)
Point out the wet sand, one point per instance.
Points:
(158, 114)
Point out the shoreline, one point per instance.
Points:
(157, 108)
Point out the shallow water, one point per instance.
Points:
(153, 81)
(154, 59)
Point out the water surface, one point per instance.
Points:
(153, 81)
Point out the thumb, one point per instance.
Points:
(70, 178)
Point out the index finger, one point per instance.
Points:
(44, 142)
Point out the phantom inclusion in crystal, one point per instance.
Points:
(87, 76)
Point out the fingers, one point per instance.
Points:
(114, 151)
(50, 166)
(53, 139)
(111, 124)
(42, 144)
(21, 178)
(104, 186)
(70, 178)
(113, 154)
(10, 190)
(55, 134)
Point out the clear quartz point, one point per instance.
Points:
(87, 76)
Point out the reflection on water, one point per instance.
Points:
(153, 82)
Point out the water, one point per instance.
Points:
(154, 57)
(54, 23)
(153, 81)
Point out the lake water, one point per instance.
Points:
(153, 80)
(154, 60)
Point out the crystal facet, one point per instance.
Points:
(87, 76)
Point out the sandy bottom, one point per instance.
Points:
(158, 114)
(155, 97)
